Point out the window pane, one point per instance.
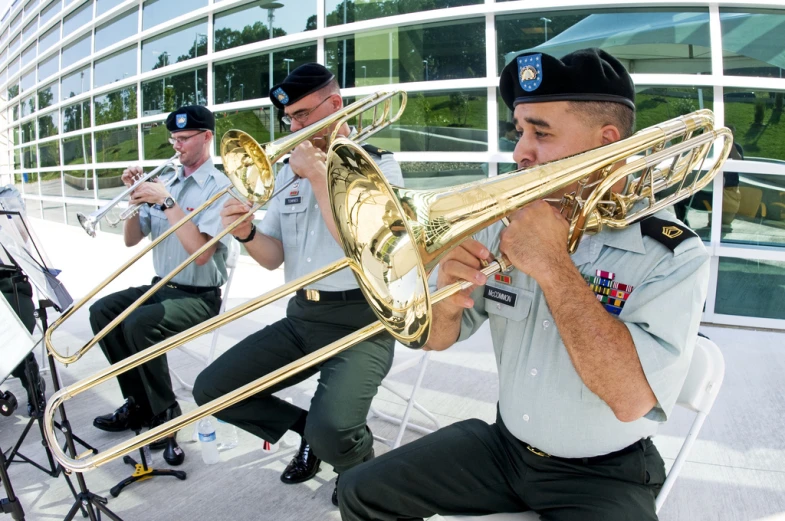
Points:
(78, 18)
(13, 91)
(79, 183)
(30, 29)
(33, 208)
(110, 185)
(255, 122)
(119, 144)
(117, 29)
(167, 93)
(76, 116)
(16, 136)
(440, 51)
(441, 121)
(175, 46)
(48, 125)
(654, 105)
(30, 160)
(437, 175)
(29, 7)
(76, 83)
(757, 118)
(76, 51)
(53, 211)
(49, 38)
(751, 288)
(49, 155)
(13, 67)
(345, 11)
(646, 40)
(15, 113)
(155, 12)
(115, 106)
(72, 210)
(28, 105)
(752, 42)
(102, 6)
(27, 81)
(155, 138)
(29, 54)
(77, 150)
(14, 45)
(28, 131)
(49, 12)
(115, 67)
(16, 21)
(48, 67)
(17, 160)
(48, 96)
(251, 23)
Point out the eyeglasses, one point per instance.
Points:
(182, 140)
(302, 115)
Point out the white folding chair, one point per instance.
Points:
(411, 403)
(698, 393)
(231, 264)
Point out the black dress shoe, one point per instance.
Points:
(159, 419)
(127, 416)
(370, 456)
(303, 466)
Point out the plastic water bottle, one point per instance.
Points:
(208, 441)
(290, 438)
(227, 434)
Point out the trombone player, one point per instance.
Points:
(591, 349)
(193, 296)
(298, 228)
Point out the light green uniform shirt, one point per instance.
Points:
(542, 400)
(294, 219)
(190, 192)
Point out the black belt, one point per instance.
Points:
(592, 460)
(315, 295)
(196, 290)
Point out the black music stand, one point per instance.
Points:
(9, 505)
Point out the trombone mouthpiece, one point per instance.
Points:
(86, 223)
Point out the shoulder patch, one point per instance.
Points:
(669, 233)
(371, 149)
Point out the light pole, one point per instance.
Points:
(196, 79)
(426, 69)
(242, 92)
(546, 20)
(288, 61)
(229, 91)
(365, 73)
(271, 7)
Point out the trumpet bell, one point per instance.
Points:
(87, 223)
(250, 167)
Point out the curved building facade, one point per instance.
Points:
(86, 84)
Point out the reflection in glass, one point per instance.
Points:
(17, 159)
(752, 42)
(253, 22)
(77, 150)
(29, 54)
(30, 160)
(13, 91)
(53, 211)
(751, 288)
(28, 131)
(13, 67)
(15, 113)
(48, 95)
(115, 67)
(155, 12)
(75, 51)
(16, 136)
(438, 175)
(163, 95)
(51, 183)
(16, 21)
(423, 52)
(110, 183)
(33, 208)
(78, 183)
(78, 18)
(256, 122)
(155, 139)
(118, 144)
(48, 12)
(103, 6)
(14, 45)
(757, 117)
(348, 11)
(115, 106)
(72, 210)
(28, 105)
(48, 67)
(27, 81)
(48, 125)
(646, 40)
(76, 116)
(175, 46)
(441, 121)
(49, 38)
(117, 29)
(654, 105)
(76, 83)
(30, 29)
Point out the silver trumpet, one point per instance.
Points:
(89, 222)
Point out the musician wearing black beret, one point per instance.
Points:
(591, 347)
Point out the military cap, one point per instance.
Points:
(583, 75)
(302, 81)
(191, 117)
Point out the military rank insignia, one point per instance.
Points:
(611, 294)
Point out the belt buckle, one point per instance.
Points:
(312, 295)
(538, 452)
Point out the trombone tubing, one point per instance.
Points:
(80, 464)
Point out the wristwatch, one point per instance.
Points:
(168, 203)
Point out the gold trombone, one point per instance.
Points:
(250, 168)
(393, 238)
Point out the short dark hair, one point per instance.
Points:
(606, 113)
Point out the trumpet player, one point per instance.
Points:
(191, 297)
(298, 228)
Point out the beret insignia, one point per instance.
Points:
(530, 71)
(281, 96)
(181, 120)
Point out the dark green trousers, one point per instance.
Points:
(473, 468)
(165, 314)
(20, 298)
(335, 426)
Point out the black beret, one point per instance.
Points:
(583, 75)
(191, 117)
(302, 81)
